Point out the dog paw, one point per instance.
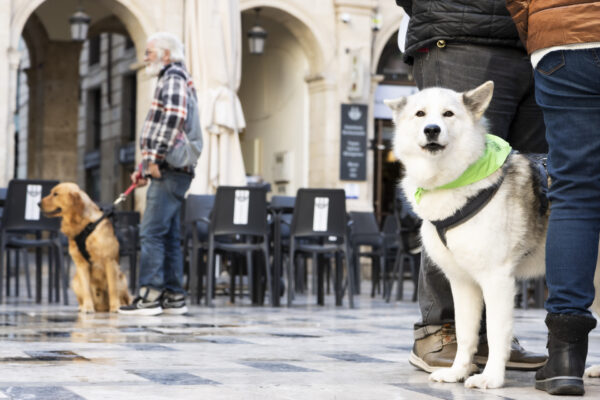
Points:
(86, 309)
(484, 381)
(592, 372)
(448, 375)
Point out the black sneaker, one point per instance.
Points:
(146, 303)
(173, 303)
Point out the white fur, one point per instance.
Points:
(486, 254)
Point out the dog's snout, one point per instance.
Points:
(432, 131)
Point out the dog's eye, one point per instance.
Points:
(448, 114)
(54, 194)
(420, 113)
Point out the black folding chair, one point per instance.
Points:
(239, 216)
(21, 219)
(319, 215)
(127, 229)
(364, 231)
(196, 223)
(281, 208)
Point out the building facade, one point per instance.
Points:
(72, 110)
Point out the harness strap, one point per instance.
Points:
(89, 228)
(472, 207)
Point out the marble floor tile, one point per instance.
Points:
(238, 352)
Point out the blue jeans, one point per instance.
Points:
(512, 114)
(567, 88)
(161, 259)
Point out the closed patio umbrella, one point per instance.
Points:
(213, 48)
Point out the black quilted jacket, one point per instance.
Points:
(484, 22)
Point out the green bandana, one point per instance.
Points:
(496, 151)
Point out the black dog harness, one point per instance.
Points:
(473, 206)
(89, 228)
(475, 203)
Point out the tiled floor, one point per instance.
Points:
(237, 352)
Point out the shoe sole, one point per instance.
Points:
(417, 362)
(175, 311)
(562, 385)
(513, 365)
(142, 311)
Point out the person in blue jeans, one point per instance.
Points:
(459, 45)
(161, 259)
(563, 39)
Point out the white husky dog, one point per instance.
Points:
(441, 139)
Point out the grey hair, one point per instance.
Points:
(168, 41)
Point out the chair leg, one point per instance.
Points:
(339, 276)
(235, 268)
(27, 275)
(252, 289)
(8, 272)
(2, 253)
(38, 275)
(400, 278)
(318, 274)
(62, 276)
(268, 271)
(290, 273)
(210, 271)
(352, 288)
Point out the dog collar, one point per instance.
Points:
(496, 152)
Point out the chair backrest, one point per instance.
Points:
(2, 196)
(240, 210)
(282, 202)
(21, 210)
(391, 230)
(198, 206)
(319, 212)
(363, 223)
(126, 226)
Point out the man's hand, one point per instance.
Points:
(136, 177)
(154, 171)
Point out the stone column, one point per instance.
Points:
(53, 118)
(6, 136)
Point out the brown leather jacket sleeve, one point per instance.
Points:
(519, 10)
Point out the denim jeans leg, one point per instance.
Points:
(173, 273)
(568, 91)
(161, 207)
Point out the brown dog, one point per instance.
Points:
(98, 284)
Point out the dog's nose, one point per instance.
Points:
(432, 132)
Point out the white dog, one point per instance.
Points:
(484, 227)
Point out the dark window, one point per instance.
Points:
(94, 119)
(94, 50)
(391, 65)
(92, 183)
(128, 43)
(129, 106)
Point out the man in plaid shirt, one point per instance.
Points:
(161, 260)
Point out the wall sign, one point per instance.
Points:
(353, 152)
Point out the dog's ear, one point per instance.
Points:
(76, 202)
(396, 104)
(478, 99)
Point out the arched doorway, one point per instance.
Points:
(80, 111)
(279, 92)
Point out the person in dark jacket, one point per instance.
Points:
(459, 44)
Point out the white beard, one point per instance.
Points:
(153, 69)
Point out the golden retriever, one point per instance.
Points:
(99, 285)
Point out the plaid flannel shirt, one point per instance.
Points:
(165, 120)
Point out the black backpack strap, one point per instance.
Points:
(472, 206)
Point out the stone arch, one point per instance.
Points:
(314, 40)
